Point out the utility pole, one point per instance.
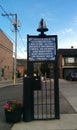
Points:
(15, 63)
(15, 24)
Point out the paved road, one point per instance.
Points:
(16, 92)
(69, 90)
(8, 93)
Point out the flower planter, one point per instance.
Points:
(13, 117)
(13, 111)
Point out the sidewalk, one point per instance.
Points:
(5, 83)
(66, 122)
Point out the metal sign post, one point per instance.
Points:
(43, 48)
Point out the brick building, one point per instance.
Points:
(67, 61)
(6, 57)
(21, 66)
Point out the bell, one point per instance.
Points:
(42, 27)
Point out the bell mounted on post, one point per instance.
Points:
(42, 27)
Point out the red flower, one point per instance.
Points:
(12, 105)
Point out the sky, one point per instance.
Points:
(60, 17)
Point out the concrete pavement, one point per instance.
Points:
(5, 83)
(66, 122)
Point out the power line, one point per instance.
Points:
(21, 38)
(10, 51)
(6, 48)
(5, 13)
(15, 28)
(20, 50)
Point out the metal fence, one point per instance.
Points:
(44, 108)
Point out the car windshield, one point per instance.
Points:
(74, 74)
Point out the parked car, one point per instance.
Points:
(72, 76)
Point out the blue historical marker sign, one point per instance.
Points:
(42, 49)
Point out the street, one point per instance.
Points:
(16, 92)
(8, 93)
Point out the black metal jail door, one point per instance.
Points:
(44, 101)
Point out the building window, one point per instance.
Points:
(2, 72)
(69, 61)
